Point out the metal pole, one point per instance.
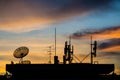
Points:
(70, 40)
(55, 41)
(91, 52)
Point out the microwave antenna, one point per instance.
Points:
(21, 52)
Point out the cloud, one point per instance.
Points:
(109, 54)
(110, 47)
(30, 14)
(82, 6)
(102, 34)
(109, 43)
(108, 39)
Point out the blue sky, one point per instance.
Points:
(31, 23)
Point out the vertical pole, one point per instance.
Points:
(50, 55)
(55, 41)
(56, 61)
(91, 52)
(70, 40)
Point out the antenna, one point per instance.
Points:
(56, 61)
(21, 52)
(68, 52)
(93, 50)
(50, 53)
(55, 41)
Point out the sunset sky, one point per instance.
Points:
(31, 23)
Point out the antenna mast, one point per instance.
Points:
(56, 61)
(55, 41)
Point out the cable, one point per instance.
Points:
(76, 58)
(85, 57)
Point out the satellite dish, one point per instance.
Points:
(21, 52)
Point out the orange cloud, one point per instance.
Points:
(111, 49)
(107, 33)
(108, 38)
(27, 24)
(24, 15)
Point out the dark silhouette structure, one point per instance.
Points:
(66, 70)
